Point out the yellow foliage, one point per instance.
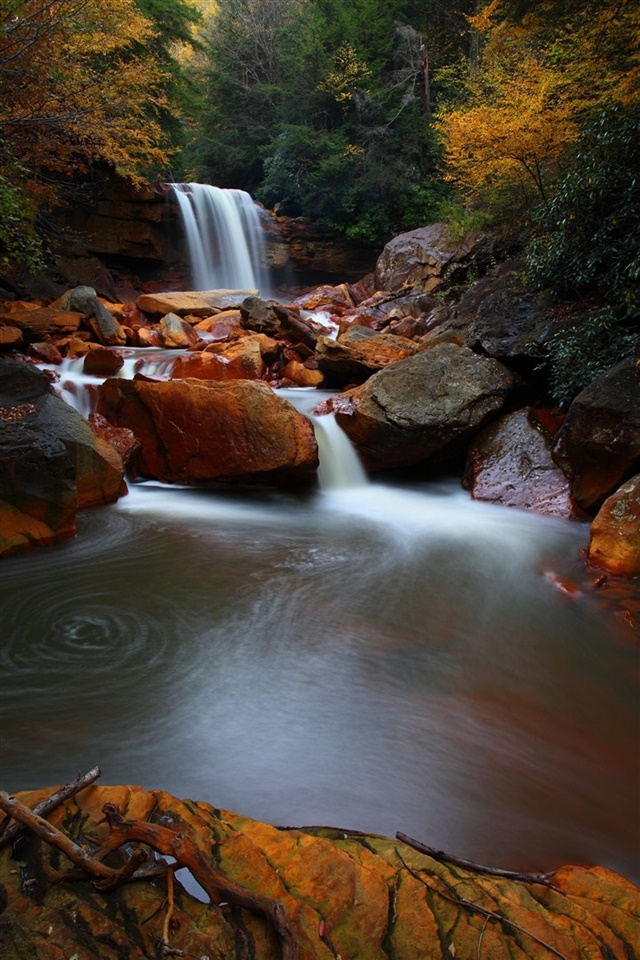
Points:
(350, 72)
(74, 86)
(533, 86)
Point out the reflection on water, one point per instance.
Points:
(373, 658)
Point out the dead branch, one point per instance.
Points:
(55, 800)
(175, 842)
(541, 878)
(483, 911)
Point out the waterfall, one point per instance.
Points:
(224, 236)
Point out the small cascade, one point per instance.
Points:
(225, 237)
(340, 467)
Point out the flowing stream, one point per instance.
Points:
(371, 656)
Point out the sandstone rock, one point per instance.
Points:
(241, 360)
(10, 337)
(199, 303)
(615, 532)
(196, 430)
(510, 462)
(175, 333)
(359, 352)
(42, 322)
(343, 894)
(80, 299)
(510, 322)
(598, 446)
(425, 258)
(222, 326)
(121, 438)
(45, 352)
(423, 408)
(301, 376)
(102, 362)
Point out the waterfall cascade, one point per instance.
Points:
(225, 237)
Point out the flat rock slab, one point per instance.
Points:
(197, 303)
(345, 894)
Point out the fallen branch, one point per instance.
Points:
(541, 878)
(46, 806)
(176, 842)
(483, 912)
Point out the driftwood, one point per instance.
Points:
(55, 800)
(542, 878)
(174, 841)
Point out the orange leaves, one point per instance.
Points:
(75, 86)
(535, 83)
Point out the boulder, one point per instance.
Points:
(240, 360)
(300, 375)
(10, 337)
(256, 314)
(121, 438)
(102, 362)
(427, 258)
(45, 352)
(426, 407)
(52, 461)
(176, 333)
(197, 303)
(334, 892)
(194, 431)
(80, 299)
(359, 352)
(614, 542)
(222, 326)
(510, 462)
(510, 322)
(598, 445)
(106, 329)
(42, 322)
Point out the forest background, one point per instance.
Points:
(367, 116)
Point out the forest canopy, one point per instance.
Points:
(369, 117)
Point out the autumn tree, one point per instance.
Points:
(544, 68)
(76, 81)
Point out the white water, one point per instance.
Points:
(372, 656)
(225, 237)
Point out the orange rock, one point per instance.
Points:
(343, 894)
(45, 352)
(615, 532)
(300, 375)
(40, 322)
(102, 362)
(240, 360)
(10, 337)
(199, 430)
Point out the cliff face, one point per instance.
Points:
(119, 235)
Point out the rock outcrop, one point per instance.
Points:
(336, 893)
(428, 258)
(359, 352)
(194, 431)
(423, 408)
(598, 445)
(510, 463)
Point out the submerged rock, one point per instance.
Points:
(194, 431)
(340, 893)
(425, 407)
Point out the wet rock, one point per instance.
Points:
(359, 352)
(80, 299)
(614, 542)
(511, 323)
(222, 326)
(426, 407)
(300, 375)
(45, 352)
(122, 439)
(598, 445)
(194, 431)
(343, 894)
(510, 462)
(241, 360)
(102, 362)
(52, 461)
(198, 303)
